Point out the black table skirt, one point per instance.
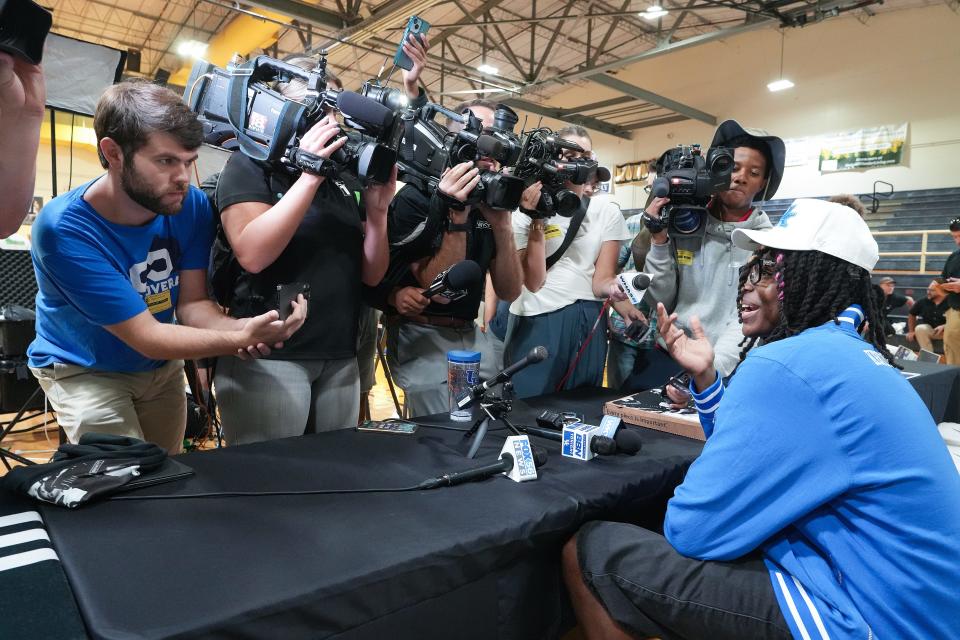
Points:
(479, 560)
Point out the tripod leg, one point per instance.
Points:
(478, 438)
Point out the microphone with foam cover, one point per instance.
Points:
(462, 276)
(537, 354)
(624, 441)
(367, 113)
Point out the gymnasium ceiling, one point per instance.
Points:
(538, 47)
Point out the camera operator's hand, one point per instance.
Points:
(417, 52)
(22, 90)
(458, 182)
(498, 218)
(260, 332)
(695, 354)
(317, 140)
(531, 196)
(653, 209)
(408, 301)
(377, 197)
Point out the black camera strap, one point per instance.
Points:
(575, 221)
(283, 132)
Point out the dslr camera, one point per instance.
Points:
(428, 148)
(541, 160)
(690, 180)
(239, 110)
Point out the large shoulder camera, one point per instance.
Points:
(690, 180)
(429, 148)
(239, 110)
(541, 159)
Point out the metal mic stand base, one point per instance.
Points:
(495, 408)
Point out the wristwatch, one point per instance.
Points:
(654, 225)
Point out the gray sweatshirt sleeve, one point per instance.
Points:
(662, 269)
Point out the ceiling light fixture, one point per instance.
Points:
(192, 49)
(487, 69)
(654, 12)
(782, 83)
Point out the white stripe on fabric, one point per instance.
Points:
(27, 557)
(19, 518)
(855, 311)
(792, 606)
(700, 399)
(813, 610)
(846, 319)
(708, 409)
(23, 536)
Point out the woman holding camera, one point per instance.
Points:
(294, 229)
(561, 306)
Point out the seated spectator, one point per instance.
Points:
(891, 301)
(116, 259)
(808, 514)
(930, 312)
(951, 284)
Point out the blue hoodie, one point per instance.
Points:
(823, 456)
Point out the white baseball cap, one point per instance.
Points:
(816, 225)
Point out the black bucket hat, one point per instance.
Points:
(731, 129)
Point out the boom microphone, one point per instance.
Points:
(459, 277)
(368, 113)
(537, 354)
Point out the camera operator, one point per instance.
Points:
(115, 260)
(428, 234)
(706, 262)
(289, 227)
(22, 100)
(560, 307)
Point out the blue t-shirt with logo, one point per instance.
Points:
(92, 272)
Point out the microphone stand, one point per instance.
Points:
(494, 408)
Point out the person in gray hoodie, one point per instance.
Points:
(696, 274)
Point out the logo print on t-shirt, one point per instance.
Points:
(154, 278)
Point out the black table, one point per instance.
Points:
(478, 560)
(938, 385)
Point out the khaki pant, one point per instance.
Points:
(924, 335)
(951, 337)
(150, 405)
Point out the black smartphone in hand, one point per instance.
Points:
(287, 294)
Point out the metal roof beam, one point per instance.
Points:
(558, 114)
(648, 96)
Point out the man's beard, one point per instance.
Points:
(138, 191)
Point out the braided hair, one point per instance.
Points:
(813, 288)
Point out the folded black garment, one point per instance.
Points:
(100, 464)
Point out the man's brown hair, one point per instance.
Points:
(129, 112)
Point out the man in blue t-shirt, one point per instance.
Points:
(824, 503)
(121, 267)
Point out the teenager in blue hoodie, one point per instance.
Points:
(824, 503)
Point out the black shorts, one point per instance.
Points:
(651, 590)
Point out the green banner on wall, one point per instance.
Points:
(863, 149)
